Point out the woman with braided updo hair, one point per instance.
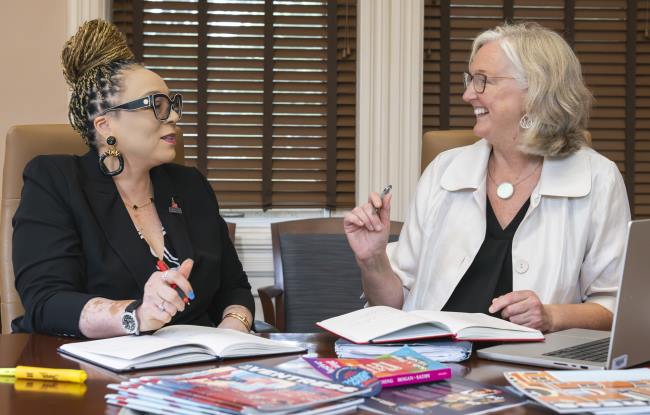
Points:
(119, 240)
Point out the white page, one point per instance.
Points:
(364, 325)
(417, 332)
(123, 347)
(458, 321)
(213, 340)
(158, 360)
(224, 342)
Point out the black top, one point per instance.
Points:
(490, 275)
(73, 240)
(169, 253)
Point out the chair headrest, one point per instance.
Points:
(24, 142)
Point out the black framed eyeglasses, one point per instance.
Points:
(161, 104)
(479, 80)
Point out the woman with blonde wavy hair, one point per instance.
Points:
(529, 223)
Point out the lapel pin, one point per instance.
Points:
(173, 207)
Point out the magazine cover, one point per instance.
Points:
(403, 367)
(244, 388)
(456, 396)
(573, 391)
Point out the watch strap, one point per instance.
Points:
(130, 310)
(133, 306)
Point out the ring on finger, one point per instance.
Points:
(164, 276)
(161, 306)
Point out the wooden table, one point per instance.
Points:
(45, 398)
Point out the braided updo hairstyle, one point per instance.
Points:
(93, 60)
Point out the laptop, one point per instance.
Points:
(628, 344)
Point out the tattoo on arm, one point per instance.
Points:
(100, 318)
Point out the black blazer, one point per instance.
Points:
(74, 240)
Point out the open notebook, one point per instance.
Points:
(380, 324)
(174, 345)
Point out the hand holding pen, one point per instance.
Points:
(384, 193)
(367, 226)
(162, 267)
(166, 293)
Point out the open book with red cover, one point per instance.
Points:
(381, 324)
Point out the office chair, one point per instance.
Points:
(436, 141)
(232, 229)
(316, 274)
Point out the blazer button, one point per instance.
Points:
(521, 266)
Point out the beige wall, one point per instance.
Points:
(32, 88)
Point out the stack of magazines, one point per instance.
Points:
(239, 389)
(438, 350)
(579, 391)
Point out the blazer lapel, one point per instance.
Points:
(115, 221)
(173, 220)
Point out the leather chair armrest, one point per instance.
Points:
(272, 315)
(260, 326)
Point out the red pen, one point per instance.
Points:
(162, 266)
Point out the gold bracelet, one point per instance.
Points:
(242, 318)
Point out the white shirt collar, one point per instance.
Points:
(561, 176)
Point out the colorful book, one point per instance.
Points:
(403, 367)
(239, 389)
(577, 391)
(381, 324)
(456, 396)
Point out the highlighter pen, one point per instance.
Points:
(43, 373)
(162, 266)
(42, 386)
(384, 192)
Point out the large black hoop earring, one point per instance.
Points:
(111, 152)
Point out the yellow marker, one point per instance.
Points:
(7, 379)
(43, 373)
(42, 386)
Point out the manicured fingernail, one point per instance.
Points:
(191, 295)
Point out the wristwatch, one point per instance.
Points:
(129, 320)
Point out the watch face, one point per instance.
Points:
(128, 322)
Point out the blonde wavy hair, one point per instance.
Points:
(557, 100)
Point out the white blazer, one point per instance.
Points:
(568, 248)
